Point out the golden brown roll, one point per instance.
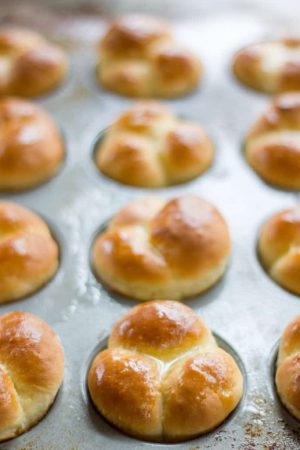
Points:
(279, 248)
(31, 371)
(288, 368)
(28, 253)
(163, 376)
(31, 147)
(155, 248)
(29, 64)
(139, 57)
(270, 67)
(272, 146)
(147, 146)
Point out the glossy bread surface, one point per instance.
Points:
(139, 57)
(31, 371)
(29, 64)
(272, 146)
(271, 67)
(163, 377)
(155, 248)
(288, 368)
(279, 248)
(29, 255)
(32, 149)
(148, 146)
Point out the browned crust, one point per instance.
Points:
(138, 56)
(29, 256)
(147, 146)
(32, 149)
(288, 368)
(247, 67)
(177, 249)
(279, 250)
(272, 145)
(163, 377)
(32, 360)
(36, 66)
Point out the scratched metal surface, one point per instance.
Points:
(247, 309)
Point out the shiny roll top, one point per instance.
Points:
(154, 248)
(31, 147)
(31, 371)
(270, 67)
(29, 255)
(272, 146)
(29, 64)
(279, 248)
(139, 57)
(147, 146)
(288, 368)
(163, 376)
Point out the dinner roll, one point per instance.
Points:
(28, 253)
(139, 57)
(272, 146)
(163, 376)
(288, 368)
(29, 64)
(279, 248)
(147, 146)
(270, 67)
(154, 248)
(31, 371)
(32, 149)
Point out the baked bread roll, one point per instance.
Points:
(29, 64)
(149, 147)
(31, 371)
(270, 67)
(139, 57)
(28, 253)
(288, 368)
(32, 149)
(155, 248)
(279, 248)
(163, 376)
(272, 146)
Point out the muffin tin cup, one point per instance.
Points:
(150, 190)
(101, 422)
(205, 296)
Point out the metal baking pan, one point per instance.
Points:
(246, 309)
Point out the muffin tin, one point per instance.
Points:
(246, 308)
